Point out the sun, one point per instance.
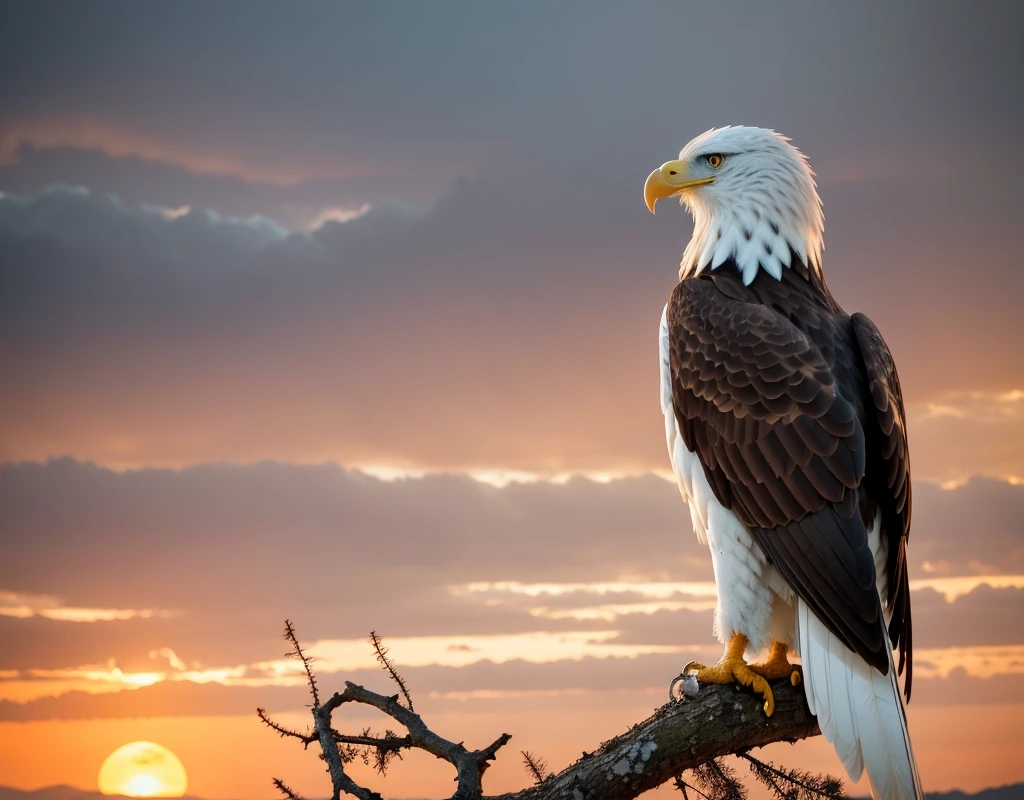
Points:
(143, 769)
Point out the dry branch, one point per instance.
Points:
(283, 788)
(469, 764)
(794, 784)
(536, 766)
(382, 656)
(300, 654)
(720, 720)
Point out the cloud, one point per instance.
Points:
(985, 617)
(215, 530)
(232, 549)
(18, 604)
(140, 181)
(337, 215)
(508, 335)
(89, 133)
(453, 86)
(970, 530)
(270, 517)
(485, 682)
(948, 637)
(959, 433)
(986, 406)
(161, 699)
(314, 304)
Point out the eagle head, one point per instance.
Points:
(753, 200)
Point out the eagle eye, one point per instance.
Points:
(715, 160)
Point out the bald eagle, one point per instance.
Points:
(786, 431)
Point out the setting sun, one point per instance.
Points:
(143, 769)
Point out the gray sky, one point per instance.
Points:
(507, 270)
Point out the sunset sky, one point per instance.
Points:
(347, 313)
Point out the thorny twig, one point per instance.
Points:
(682, 786)
(719, 782)
(382, 656)
(307, 662)
(306, 738)
(802, 785)
(389, 743)
(286, 791)
(681, 736)
(536, 766)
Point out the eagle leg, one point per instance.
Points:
(777, 666)
(731, 668)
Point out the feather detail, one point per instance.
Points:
(859, 711)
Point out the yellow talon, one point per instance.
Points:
(777, 666)
(731, 668)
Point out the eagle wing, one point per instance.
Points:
(888, 481)
(782, 448)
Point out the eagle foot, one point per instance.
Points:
(731, 668)
(777, 666)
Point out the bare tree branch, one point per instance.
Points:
(536, 766)
(382, 656)
(795, 784)
(680, 736)
(469, 764)
(287, 792)
(720, 720)
(306, 738)
(335, 765)
(391, 742)
(307, 662)
(718, 782)
(682, 786)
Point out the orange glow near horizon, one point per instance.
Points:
(235, 757)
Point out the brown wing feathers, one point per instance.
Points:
(756, 400)
(781, 447)
(888, 479)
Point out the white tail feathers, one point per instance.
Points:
(859, 711)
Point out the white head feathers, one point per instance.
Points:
(762, 204)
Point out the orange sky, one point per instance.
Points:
(966, 747)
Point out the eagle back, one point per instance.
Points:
(794, 427)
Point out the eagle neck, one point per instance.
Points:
(757, 235)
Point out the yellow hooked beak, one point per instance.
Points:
(670, 179)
